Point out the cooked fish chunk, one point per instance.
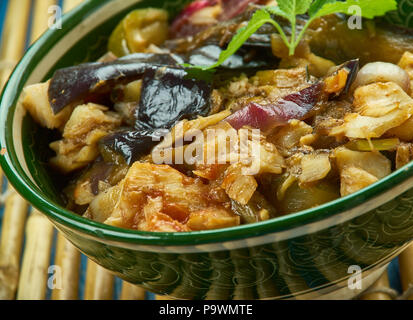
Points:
(404, 132)
(160, 198)
(372, 162)
(380, 107)
(86, 126)
(315, 167)
(238, 186)
(354, 179)
(35, 99)
(212, 218)
(360, 169)
(101, 207)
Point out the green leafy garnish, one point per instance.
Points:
(289, 9)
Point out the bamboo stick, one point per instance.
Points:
(381, 283)
(14, 36)
(406, 269)
(1, 178)
(36, 258)
(132, 292)
(68, 259)
(13, 43)
(99, 283)
(159, 297)
(70, 4)
(40, 230)
(11, 244)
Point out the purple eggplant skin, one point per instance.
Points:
(132, 144)
(352, 67)
(75, 83)
(247, 57)
(168, 96)
(268, 117)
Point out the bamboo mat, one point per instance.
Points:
(31, 250)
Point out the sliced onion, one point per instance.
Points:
(382, 72)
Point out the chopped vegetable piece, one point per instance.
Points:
(379, 107)
(138, 30)
(296, 199)
(315, 167)
(354, 179)
(372, 145)
(373, 162)
(257, 209)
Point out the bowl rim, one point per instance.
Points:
(60, 215)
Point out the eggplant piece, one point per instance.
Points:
(247, 57)
(168, 96)
(266, 118)
(132, 144)
(330, 37)
(75, 83)
(352, 68)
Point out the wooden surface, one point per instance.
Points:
(35, 261)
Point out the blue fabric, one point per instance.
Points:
(3, 9)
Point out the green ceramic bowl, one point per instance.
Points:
(307, 254)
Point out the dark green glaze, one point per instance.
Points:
(284, 268)
(404, 15)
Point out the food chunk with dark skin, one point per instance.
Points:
(330, 37)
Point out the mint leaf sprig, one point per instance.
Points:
(289, 10)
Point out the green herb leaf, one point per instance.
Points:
(369, 8)
(289, 9)
(278, 12)
(259, 18)
(317, 5)
(294, 7)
